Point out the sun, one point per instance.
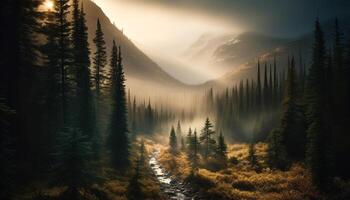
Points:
(49, 5)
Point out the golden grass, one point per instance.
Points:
(241, 182)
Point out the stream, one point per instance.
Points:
(174, 189)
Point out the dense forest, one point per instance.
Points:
(68, 121)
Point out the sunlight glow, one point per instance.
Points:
(48, 5)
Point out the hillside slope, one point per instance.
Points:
(137, 65)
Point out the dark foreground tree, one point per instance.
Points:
(276, 152)
(293, 137)
(7, 152)
(118, 136)
(72, 170)
(318, 154)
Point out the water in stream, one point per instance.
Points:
(173, 188)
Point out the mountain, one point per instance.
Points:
(140, 70)
(240, 54)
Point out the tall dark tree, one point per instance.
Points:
(258, 88)
(73, 151)
(275, 82)
(252, 158)
(84, 102)
(173, 140)
(291, 131)
(206, 138)
(221, 148)
(317, 154)
(100, 57)
(277, 155)
(265, 88)
(118, 136)
(64, 45)
(7, 152)
(338, 73)
(194, 158)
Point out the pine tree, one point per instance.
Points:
(178, 129)
(53, 98)
(100, 57)
(63, 28)
(265, 89)
(252, 158)
(134, 118)
(317, 153)
(275, 83)
(206, 138)
(84, 102)
(193, 152)
(258, 89)
(7, 152)
(142, 152)
(118, 136)
(221, 148)
(277, 155)
(291, 132)
(134, 187)
(173, 140)
(73, 151)
(189, 139)
(338, 73)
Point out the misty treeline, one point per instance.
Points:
(53, 120)
(302, 112)
(147, 119)
(252, 105)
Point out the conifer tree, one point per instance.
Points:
(193, 152)
(206, 138)
(173, 140)
(84, 102)
(178, 129)
(134, 118)
(189, 139)
(64, 44)
(73, 150)
(258, 89)
(265, 89)
(277, 155)
(317, 153)
(275, 83)
(100, 57)
(7, 152)
(252, 156)
(53, 74)
(118, 136)
(134, 188)
(142, 152)
(221, 148)
(291, 132)
(338, 73)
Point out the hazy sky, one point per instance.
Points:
(166, 28)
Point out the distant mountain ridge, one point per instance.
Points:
(241, 55)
